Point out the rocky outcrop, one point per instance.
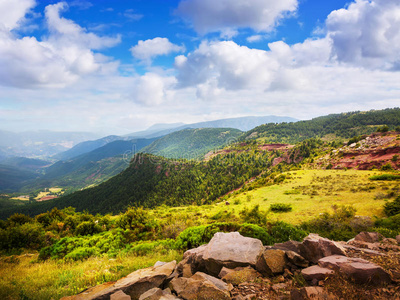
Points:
(231, 266)
(359, 270)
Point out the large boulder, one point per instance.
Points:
(369, 237)
(289, 245)
(271, 262)
(134, 285)
(240, 275)
(359, 270)
(315, 247)
(229, 250)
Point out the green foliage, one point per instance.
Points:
(148, 247)
(257, 232)
(335, 226)
(78, 248)
(87, 228)
(383, 128)
(27, 235)
(254, 216)
(385, 177)
(386, 232)
(392, 223)
(281, 232)
(140, 224)
(392, 208)
(386, 167)
(280, 207)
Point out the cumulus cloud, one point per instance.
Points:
(366, 33)
(59, 59)
(220, 15)
(148, 49)
(12, 13)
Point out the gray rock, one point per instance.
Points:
(296, 259)
(360, 270)
(315, 247)
(216, 281)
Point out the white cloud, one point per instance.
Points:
(148, 49)
(58, 60)
(254, 38)
(366, 34)
(12, 13)
(219, 15)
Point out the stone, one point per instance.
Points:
(224, 271)
(134, 285)
(240, 275)
(315, 247)
(359, 270)
(296, 259)
(120, 295)
(369, 237)
(289, 245)
(229, 250)
(389, 241)
(158, 294)
(216, 281)
(398, 239)
(310, 292)
(271, 262)
(316, 272)
(193, 289)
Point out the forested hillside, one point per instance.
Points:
(345, 125)
(192, 143)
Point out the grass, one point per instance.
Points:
(23, 277)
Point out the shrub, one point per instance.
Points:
(392, 208)
(87, 228)
(145, 247)
(392, 222)
(257, 232)
(27, 235)
(18, 219)
(388, 177)
(282, 232)
(386, 232)
(280, 207)
(383, 128)
(253, 216)
(386, 167)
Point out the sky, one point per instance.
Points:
(120, 66)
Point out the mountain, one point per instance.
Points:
(12, 178)
(155, 129)
(241, 123)
(192, 143)
(344, 126)
(25, 163)
(90, 168)
(87, 146)
(41, 143)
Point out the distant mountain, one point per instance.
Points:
(40, 143)
(25, 163)
(241, 123)
(155, 129)
(12, 178)
(90, 168)
(192, 143)
(344, 125)
(87, 146)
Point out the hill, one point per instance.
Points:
(335, 126)
(25, 163)
(12, 178)
(192, 143)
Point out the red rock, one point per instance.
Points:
(315, 247)
(360, 270)
(316, 272)
(369, 237)
(271, 262)
(311, 292)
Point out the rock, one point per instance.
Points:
(360, 270)
(316, 273)
(271, 262)
(224, 271)
(315, 247)
(389, 241)
(193, 289)
(217, 282)
(369, 237)
(240, 275)
(134, 285)
(279, 287)
(296, 259)
(120, 295)
(157, 294)
(194, 259)
(310, 292)
(289, 245)
(398, 239)
(229, 250)
(364, 250)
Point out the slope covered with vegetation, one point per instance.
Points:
(192, 143)
(335, 126)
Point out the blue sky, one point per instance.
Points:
(115, 67)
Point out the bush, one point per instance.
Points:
(257, 232)
(392, 208)
(282, 232)
(388, 233)
(253, 216)
(386, 167)
(392, 223)
(388, 177)
(144, 247)
(87, 228)
(280, 207)
(27, 235)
